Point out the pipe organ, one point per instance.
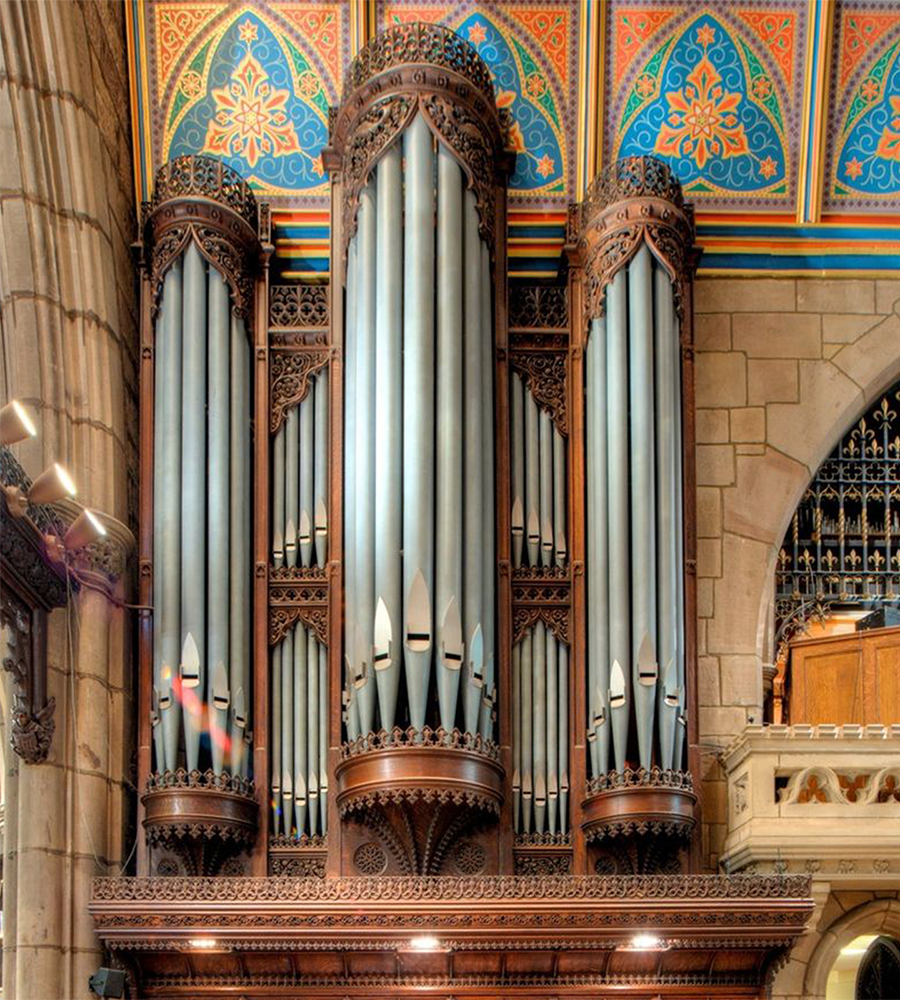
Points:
(418, 542)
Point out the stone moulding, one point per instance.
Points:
(407, 69)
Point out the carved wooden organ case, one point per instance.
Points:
(419, 542)
(419, 549)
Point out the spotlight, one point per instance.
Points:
(646, 942)
(108, 983)
(86, 528)
(425, 942)
(15, 424)
(51, 485)
(204, 944)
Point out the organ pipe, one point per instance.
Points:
(540, 679)
(635, 553)
(419, 574)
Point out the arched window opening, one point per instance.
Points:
(837, 583)
(868, 968)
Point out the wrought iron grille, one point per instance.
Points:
(843, 545)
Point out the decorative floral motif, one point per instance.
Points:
(777, 29)
(702, 118)
(710, 106)
(632, 29)
(250, 121)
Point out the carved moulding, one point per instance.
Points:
(419, 793)
(32, 585)
(290, 375)
(622, 808)
(298, 593)
(541, 593)
(201, 199)
(303, 856)
(545, 375)
(404, 70)
(634, 200)
(202, 817)
(298, 307)
(538, 307)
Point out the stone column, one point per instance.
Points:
(68, 319)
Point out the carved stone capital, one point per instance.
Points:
(635, 200)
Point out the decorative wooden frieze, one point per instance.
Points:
(298, 307)
(545, 376)
(290, 375)
(298, 594)
(538, 307)
(541, 593)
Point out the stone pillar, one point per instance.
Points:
(68, 315)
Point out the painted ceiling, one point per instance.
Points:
(780, 117)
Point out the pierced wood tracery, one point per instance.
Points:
(291, 373)
(545, 376)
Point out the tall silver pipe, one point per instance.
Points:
(312, 732)
(560, 545)
(554, 696)
(275, 782)
(307, 461)
(595, 535)
(217, 518)
(618, 505)
(299, 761)
(666, 528)
(517, 734)
(473, 680)
(278, 539)
(449, 405)
(546, 453)
(288, 669)
(643, 499)
(167, 536)
(291, 485)
(193, 503)
(681, 724)
(488, 551)
(599, 533)
(418, 415)
(539, 709)
(323, 739)
(365, 456)
(350, 340)
(239, 545)
(527, 730)
(532, 480)
(473, 459)
(518, 468)
(563, 734)
(389, 415)
(320, 487)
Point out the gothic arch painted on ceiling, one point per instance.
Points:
(250, 84)
(863, 138)
(717, 91)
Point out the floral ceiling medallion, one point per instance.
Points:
(250, 119)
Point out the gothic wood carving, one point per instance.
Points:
(298, 593)
(201, 199)
(298, 307)
(290, 378)
(406, 69)
(634, 200)
(545, 376)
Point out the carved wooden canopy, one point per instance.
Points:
(634, 200)
(202, 199)
(720, 936)
(407, 69)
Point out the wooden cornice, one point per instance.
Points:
(565, 936)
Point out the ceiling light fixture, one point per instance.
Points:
(204, 943)
(425, 942)
(646, 942)
(86, 528)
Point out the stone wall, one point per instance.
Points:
(783, 366)
(69, 351)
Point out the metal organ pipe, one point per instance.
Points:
(517, 520)
(289, 529)
(635, 541)
(425, 409)
(320, 488)
(389, 422)
(167, 508)
(418, 416)
(305, 535)
(193, 503)
(349, 700)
